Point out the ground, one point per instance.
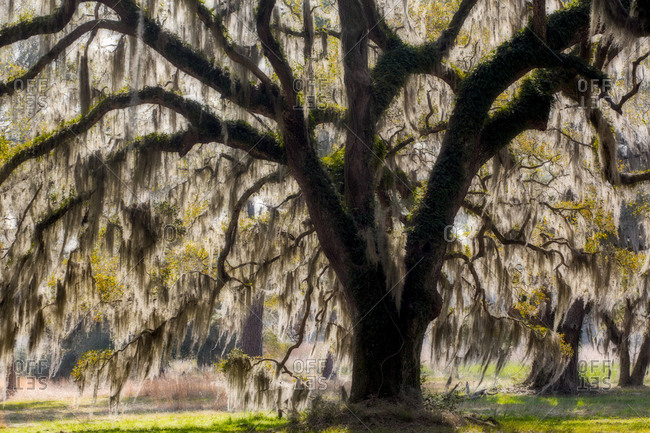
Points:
(192, 402)
(613, 411)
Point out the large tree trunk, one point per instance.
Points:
(624, 346)
(387, 342)
(386, 360)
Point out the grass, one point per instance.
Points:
(186, 422)
(613, 411)
(185, 403)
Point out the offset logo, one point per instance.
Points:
(31, 94)
(590, 93)
(310, 372)
(31, 374)
(594, 374)
(316, 93)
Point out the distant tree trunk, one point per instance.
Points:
(328, 368)
(572, 329)
(542, 369)
(624, 347)
(539, 18)
(621, 340)
(544, 375)
(12, 384)
(252, 331)
(642, 361)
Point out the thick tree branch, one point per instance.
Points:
(446, 40)
(19, 83)
(52, 23)
(259, 99)
(359, 153)
(539, 18)
(207, 126)
(273, 51)
(460, 157)
(395, 67)
(213, 22)
(380, 33)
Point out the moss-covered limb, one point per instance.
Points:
(335, 227)
(220, 33)
(260, 145)
(458, 160)
(179, 142)
(394, 67)
(256, 98)
(208, 126)
(20, 83)
(446, 40)
(510, 61)
(329, 114)
(51, 218)
(529, 110)
(273, 51)
(380, 33)
(634, 178)
(52, 23)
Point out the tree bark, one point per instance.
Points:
(542, 369)
(545, 375)
(252, 331)
(624, 347)
(386, 359)
(621, 340)
(642, 361)
(539, 18)
(12, 384)
(572, 330)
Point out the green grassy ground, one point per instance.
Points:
(613, 411)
